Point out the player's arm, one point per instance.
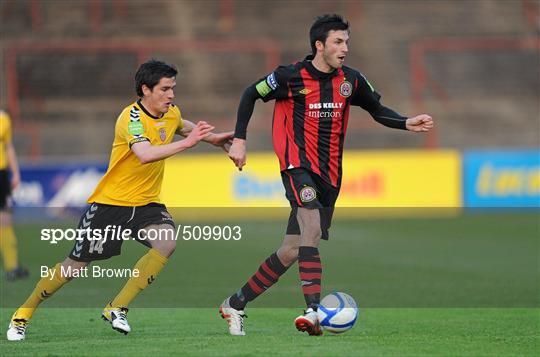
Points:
(146, 152)
(273, 86)
(13, 165)
(222, 140)
(11, 156)
(237, 151)
(368, 99)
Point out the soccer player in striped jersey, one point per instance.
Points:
(128, 195)
(312, 102)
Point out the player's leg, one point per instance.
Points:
(8, 248)
(57, 276)
(314, 225)
(309, 262)
(85, 250)
(154, 227)
(268, 273)
(310, 268)
(8, 240)
(149, 265)
(304, 194)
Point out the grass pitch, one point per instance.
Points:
(379, 332)
(465, 285)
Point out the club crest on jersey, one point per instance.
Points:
(345, 89)
(162, 134)
(307, 194)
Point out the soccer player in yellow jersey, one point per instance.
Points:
(8, 161)
(128, 195)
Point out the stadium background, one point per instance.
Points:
(67, 69)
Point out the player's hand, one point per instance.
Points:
(199, 132)
(419, 123)
(237, 152)
(223, 140)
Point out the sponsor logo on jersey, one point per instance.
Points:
(325, 105)
(305, 91)
(162, 134)
(271, 80)
(135, 128)
(307, 194)
(345, 89)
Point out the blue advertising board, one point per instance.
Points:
(501, 178)
(63, 185)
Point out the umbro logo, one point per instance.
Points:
(305, 91)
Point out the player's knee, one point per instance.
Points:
(288, 255)
(72, 268)
(165, 247)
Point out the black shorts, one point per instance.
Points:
(5, 189)
(119, 218)
(304, 188)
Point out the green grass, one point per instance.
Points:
(462, 285)
(397, 332)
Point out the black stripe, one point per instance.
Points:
(258, 282)
(310, 270)
(287, 162)
(299, 112)
(267, 276)
(349, 76)
(325, 129)
(309, 258)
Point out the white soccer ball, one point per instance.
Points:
(337, 312)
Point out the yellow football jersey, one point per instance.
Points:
(5, 137)
(127, 182)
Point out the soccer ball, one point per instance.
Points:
(337, 312)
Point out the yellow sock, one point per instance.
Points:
(149, 267)
(8, 247)
(45, 287)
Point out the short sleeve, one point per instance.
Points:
(364, 94)
(180, 120)
(130, 128)
(7, 127)
(274, 85)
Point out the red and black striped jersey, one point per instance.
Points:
(311, 114)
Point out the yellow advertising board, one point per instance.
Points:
(401, 178)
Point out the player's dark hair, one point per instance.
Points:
(324, 24)
(150, 73)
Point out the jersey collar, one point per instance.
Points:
(146, 111)
(314, 72)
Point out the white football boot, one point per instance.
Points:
(17, 329)
(309, 322)
(235, 318)
(117, 316)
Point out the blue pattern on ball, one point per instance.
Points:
(331, 313)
